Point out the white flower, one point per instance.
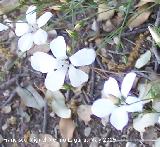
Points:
(119, 114)
(30, 32)
(3, 27)
(57, 68)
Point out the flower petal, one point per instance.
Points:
(119, 118)
(55, 79)
(102, 107)
(31, 15)
(127, 83)
(25, 42)
(3, 27)
(43, 19)
(135, 107)
(21, 28)
(40, 37)
(83, 57)
(43, 62)
(111, 88)
(58, 47)
(77, 76)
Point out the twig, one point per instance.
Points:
(134, 32)
(9, 98)
(8, 83)
(92, 81)
(45, 118)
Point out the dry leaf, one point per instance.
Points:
(6, 109)
(66, 127)
(84, 113)
(47, 140)
(140, 16)
(105, 12)
(150, 134)
(108, 26)
(143, 2)
(143, 59)
(57, 102)
(30, 97)
(39, 48)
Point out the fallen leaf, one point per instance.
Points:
(139, 17)
(6, 109)
(57, 102)
(47, 140)
(66, 127)
(155, 35)
(105, 12)
(84, 113)
(144, 121)
(30, 97)
(39, 48)
(108, 26)
(143, 2)
(150, 134)
(143, 59)
(94, 26)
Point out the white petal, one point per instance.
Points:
(43, 62)
(111, 87)
(3, 27)
(77, 77)
(31, 15)
(58, 47)
(21, 28)
(25, 42)
(146, 120)
(55, 80)
(102, 107)
(42, 20)
(119, 118)
(143, 59)
(135, 107)
(40, 37)
(127, 83)
(83, 57)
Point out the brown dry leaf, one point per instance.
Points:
(150, 134)
(66, 127)
(6, 109)
(140, 16)
(108, 26)
(84, 113)
(143, 2)
(47, 140)
(105, 12)
(39, 48)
